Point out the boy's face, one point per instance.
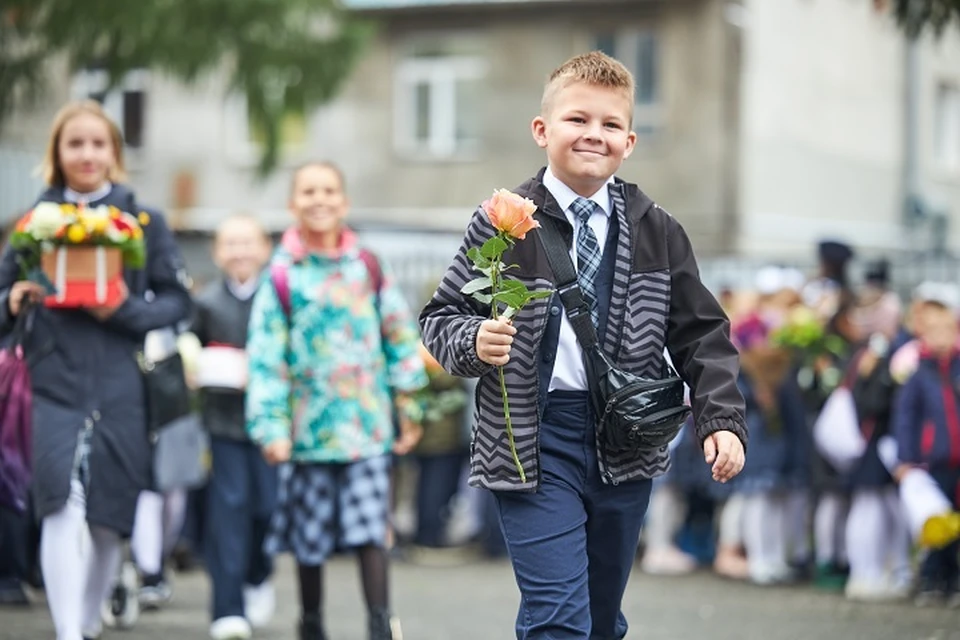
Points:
(940, 330)
(241, 249)
(318, 202)
(586, 133)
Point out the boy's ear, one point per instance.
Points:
(539, 130)
(631, 144)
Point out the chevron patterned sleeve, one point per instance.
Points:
(450, 320)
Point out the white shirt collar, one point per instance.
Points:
(75, 196)
(243, 290)
(565, 196)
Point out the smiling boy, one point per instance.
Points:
(572, 527)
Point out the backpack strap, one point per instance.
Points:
(372, 264)
(280, 277)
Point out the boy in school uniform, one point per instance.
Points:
(926, 425)
(242, 490)
(572, 526)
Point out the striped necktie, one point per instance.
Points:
(588, 255)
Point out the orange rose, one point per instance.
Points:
(510, 213)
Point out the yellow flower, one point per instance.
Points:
(100, 225)
(143, 218)
(76, 233)
(137, 233)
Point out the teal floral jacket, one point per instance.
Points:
(323, 377)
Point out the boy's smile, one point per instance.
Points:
(586, 133)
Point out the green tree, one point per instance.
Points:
(283, 56)
(917, 16)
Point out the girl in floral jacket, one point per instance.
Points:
(333, 356)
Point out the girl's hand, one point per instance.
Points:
(410, 434)
(278, 451)
(104, 313)
(21, 290)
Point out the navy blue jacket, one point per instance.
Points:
(926, 420)
(85, 376)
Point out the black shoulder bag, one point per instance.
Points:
(633, 412)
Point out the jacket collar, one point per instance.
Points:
(638, 203)
(293, 244)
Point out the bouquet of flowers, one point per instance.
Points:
(78, 253)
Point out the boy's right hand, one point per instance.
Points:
(278, 451)
(493, 341)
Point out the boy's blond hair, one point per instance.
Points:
(50, 168)
(241, 217)
(596, 69)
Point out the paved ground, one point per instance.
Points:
(477, 602)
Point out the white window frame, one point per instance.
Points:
(947, 128)
(441, 74)
(91, 82)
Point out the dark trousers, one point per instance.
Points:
(573, 542)
(941, 568)
(14, 548)
(437, 483)
(241, 497)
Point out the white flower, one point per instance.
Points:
(45, 221)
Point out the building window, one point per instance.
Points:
(639, 51)
(125, 104)
(438, 104)
(947, 127)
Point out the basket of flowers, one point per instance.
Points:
(79, 252)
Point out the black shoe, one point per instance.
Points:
(14, 596)
(311, 627)
(383, 626)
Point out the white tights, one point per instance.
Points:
(878, 541)
(763, 531)
(79, 564)
(829, 526)
(157, 526)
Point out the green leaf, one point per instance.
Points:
(513, 286)
(482, 298)
(493, 248)
(510, 298)
(509, 313)
(536, 295)
(477, 284)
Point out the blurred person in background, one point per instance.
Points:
(926, 425)
(333, 356)
(877, 539)
(92, 456)
(242, 488)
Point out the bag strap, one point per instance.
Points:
(571, 295)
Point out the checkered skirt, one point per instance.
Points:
(325, 508)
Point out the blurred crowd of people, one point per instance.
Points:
(847, 389)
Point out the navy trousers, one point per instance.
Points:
(573, 542)
(241, 497)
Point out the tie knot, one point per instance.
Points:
(583, 208)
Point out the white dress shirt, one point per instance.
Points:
(568, 371)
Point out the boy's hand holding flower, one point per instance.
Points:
(512, 217)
